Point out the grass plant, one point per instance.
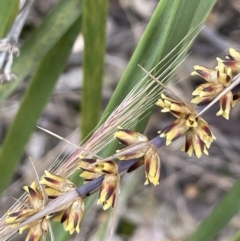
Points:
(161, 49)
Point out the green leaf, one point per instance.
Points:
(170, 23)
(42, 40)
(94, 32)
(236, 237)
(220, 216)
(36, 97)
(8, 12)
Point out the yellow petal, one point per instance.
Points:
(152, 167)
(129, 137)
(108, 190)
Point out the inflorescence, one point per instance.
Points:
(138, 147)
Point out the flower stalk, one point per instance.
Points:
(66, 203)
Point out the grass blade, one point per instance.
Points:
(8, 12)
(170, 23)
(35, 99)
(220, 215)
(42, 40)
(94, 31)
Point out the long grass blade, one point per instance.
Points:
(170, 23)
(94, 31)
(220, 216)
(42, 40)
(33, 103)
(8, 12)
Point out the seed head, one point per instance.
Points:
(36, 203)
(198, 134)
(110, 185)
(147, 155)
(217, 80)
(71, 214)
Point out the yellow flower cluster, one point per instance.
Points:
(53, 186)
(110, 185)
(147, 155)
(36, 202)
(198, 134)
(217, 80)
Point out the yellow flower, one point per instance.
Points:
(217, 81)
(71, 217)
(129, 137)
(198, 134)
(71, 214)
(36, 202)
(152, 167)
(233, 61)
(108, 190)
(147, 154)
(93, 171)
(110, 185)
(56, 185)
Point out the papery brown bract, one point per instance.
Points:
(129, 137)
(71, 217)
(56, 185)
(109, 190)
(152, 167)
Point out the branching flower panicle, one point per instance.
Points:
(198, 134)
(104, 174)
